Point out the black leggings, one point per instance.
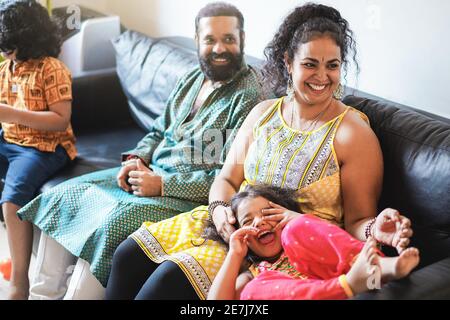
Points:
(135, 276)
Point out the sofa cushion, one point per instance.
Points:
(416, 152)
(98, 150)
(148, 69)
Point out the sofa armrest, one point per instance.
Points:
(99, 101)
(430, 282)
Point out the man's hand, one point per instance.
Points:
(122, 176)
(224, 220)
(144, 182)
(393, 229)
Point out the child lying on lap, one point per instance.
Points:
(298, 256)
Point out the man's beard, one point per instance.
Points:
(223, 72)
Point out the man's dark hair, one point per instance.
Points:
(220, 9)
(26, 26)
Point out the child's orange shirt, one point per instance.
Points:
(35, 85)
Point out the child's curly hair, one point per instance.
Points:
(26, 26)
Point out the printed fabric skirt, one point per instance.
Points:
(179, 239)
(90, 216)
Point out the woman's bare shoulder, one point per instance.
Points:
(353, 125)
(260, 109)
(355, 136)
(263, 106)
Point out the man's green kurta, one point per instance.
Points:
(90, 215)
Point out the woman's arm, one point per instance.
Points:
(56, 119)
(231, 176)
(361, 165)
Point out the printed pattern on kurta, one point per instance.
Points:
(35, 85)
(90, 215)
(279, 156)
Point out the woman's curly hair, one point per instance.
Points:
(302, 25)
(26, 26)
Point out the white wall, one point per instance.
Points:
(99, 5)
(404, 52)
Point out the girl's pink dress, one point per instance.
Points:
(319, 253)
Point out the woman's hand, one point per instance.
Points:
(144, 182)
(224, 221)
(279, 214)
(239, 241)
(392, 229)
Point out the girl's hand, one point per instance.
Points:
(239, 241)
(393, 229)
(279, 214)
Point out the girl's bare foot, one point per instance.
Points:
(399, 267)
(365, 265)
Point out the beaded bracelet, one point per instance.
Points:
(368, 229)
(213, 205)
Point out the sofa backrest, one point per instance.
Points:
(416, 148)
(149, 68)
(416, 152)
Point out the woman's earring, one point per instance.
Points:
(338, 94)
(290, 92)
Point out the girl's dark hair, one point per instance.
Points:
(26, 26)
(284, 197)
(302, 25)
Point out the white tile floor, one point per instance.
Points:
(4, 254)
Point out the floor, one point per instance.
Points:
(4, 254)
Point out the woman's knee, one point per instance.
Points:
(125, 254)
(167, 282)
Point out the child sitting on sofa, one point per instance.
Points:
(307, 259)
(36, 139)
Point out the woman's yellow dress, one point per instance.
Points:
(279, 156)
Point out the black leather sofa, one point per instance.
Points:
(112, 110)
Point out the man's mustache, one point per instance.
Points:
(226, 55)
